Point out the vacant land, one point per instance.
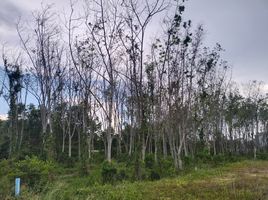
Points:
(242, 180)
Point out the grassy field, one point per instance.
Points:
(242, 180)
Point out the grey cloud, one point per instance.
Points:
(241, 27)
(9, 12)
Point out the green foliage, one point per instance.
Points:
(219, 158)
(154, 175)
(49, 150)
(149, 161)
(35, 173)
(98, 157)
(262, 156)
(5, 187)
(139, 171)
(122, 175)
(166, 167)
(188, 161)
(204, 155)
(6, 167)
(108, 172)
(219, 183)
(124, 158)
(225, 158)
(83, 168)
(66, 161)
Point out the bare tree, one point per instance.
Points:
(41, 45)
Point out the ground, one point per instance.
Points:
(247, 180)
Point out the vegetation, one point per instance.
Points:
(240, 180)
(118, 117)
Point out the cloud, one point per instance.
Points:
(240, 27)
(9, 13)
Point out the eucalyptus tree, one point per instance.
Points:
(175, 74)
(13, 89)
(254, 98)
(41, 43)
(137, 16)
(104, 31)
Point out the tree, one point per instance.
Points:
(41, 45)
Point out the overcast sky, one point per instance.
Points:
(240, 26)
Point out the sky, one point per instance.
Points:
(240, 26)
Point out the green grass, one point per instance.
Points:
(243, 180)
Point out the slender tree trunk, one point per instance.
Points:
(70, 147)
(155, 148)
(79, 145)
(109, 146)
(89, 147)
(63, 142)
(164, 145)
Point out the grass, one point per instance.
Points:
(247, 180)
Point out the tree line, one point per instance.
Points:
(101, 85)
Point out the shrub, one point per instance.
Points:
(204, 155)
(5, 187)
(219, 159)
(83, 167)
(123, 158)
(108, 172)
(262, 156)
(98, 157)
(139, 171)
(65, 160)
(188, 160)
(154, 175)
(122, 175)
(149, 161)
(35, 173)
(6, 167)
(166, 166)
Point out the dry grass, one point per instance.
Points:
(246, 180)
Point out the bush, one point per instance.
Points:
(5, 187)
(98, 157)
(219, 159)
(188, 161)
(35, 173)
(154, 176)
(139, 171)
(6, 167)
(66, 161)
(108, 172)
(166, 166)
(83, 168)
(204, 155)
(149, 161)
(122, 175)
(123, 158)
(262, 156)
